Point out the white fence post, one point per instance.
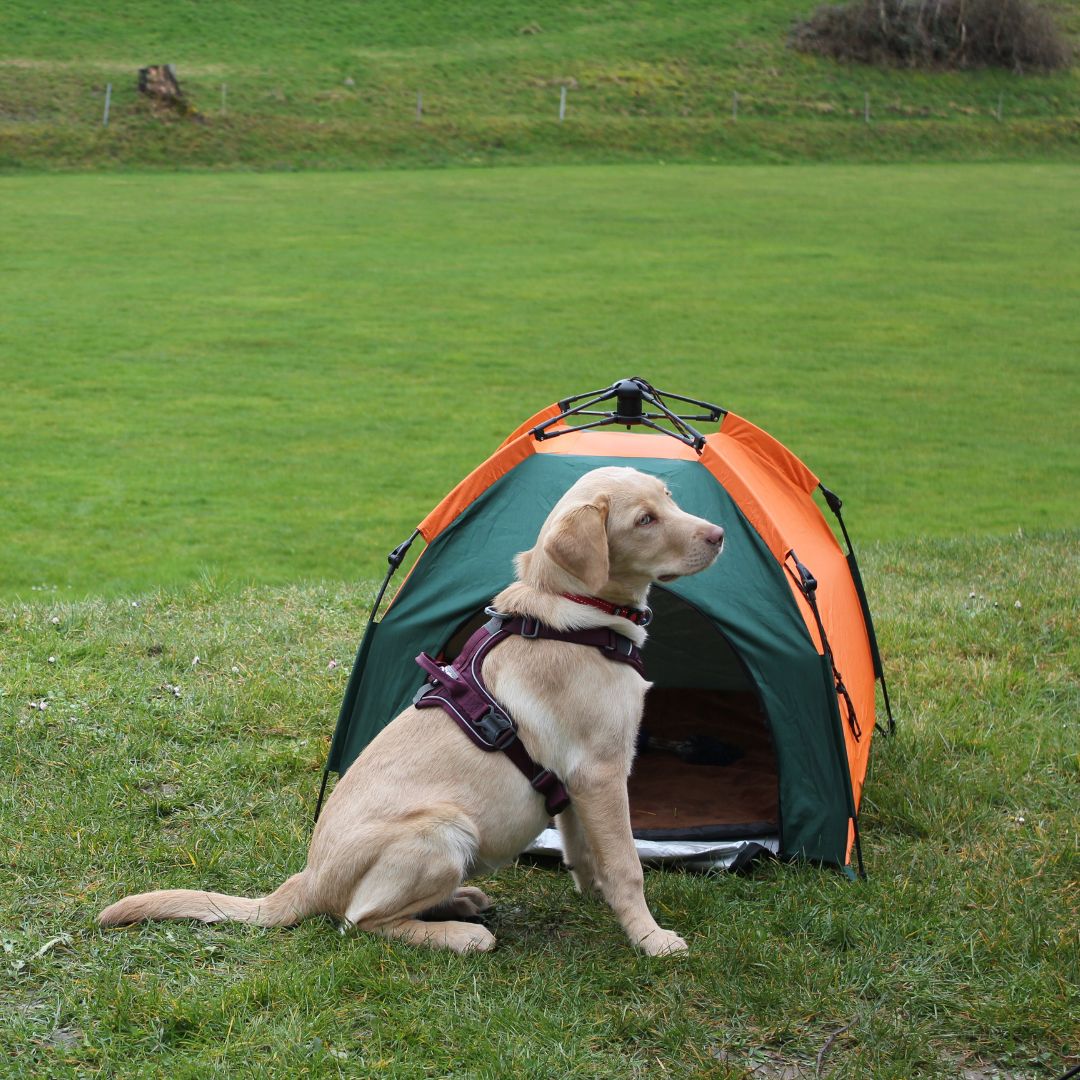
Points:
(562, 104)
(108, 102)
(419, 104)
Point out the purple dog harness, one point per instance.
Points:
(459, 689)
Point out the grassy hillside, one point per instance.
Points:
(273, 378)
(644, 80)
(145, 769)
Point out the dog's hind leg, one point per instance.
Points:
(461, 937)
(421, 868)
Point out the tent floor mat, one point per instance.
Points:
(684, 854)
(671, 798)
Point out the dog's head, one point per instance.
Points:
(616, 531)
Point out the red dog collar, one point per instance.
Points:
(638, 616)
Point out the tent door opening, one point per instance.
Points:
(706, 766)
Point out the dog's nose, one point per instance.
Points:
(714, 535)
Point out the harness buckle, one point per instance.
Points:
(618, 643)
(530, 628)
(542, 780)
(495, 728)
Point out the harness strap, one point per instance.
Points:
(611, 643)
(458, 688)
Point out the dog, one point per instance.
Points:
(422, 809)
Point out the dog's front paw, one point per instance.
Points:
(661, 943)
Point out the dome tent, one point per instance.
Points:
(757, 730)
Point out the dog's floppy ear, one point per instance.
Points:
(578, 543)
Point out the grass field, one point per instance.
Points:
(227, 396)
(960, 951)
(645, 80)
(272, 379)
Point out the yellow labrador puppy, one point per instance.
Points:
(422, 809)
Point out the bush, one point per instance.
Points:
(1016, 34)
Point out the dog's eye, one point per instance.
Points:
(646, 519)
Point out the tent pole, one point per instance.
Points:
(807, 585)
(630, 395)
(322, 793)
(395, 559)
(834, 503)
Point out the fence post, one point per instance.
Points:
(866, 108)
(224, 98)
(108, 102)
(562, 103)
(419, 104)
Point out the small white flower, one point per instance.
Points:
(52, 659)
(134, 603)
(235, 670)
(1018, 605)
(333, 664)
(195, 662)
(55, 620)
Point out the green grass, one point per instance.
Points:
(273, 378)
(214, 380)
(646, 81)
(961, 948)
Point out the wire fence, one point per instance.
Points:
(740, 106)
(559, 101)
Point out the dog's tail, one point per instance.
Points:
(285, 906)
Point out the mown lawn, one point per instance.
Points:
(228, 396)
(131, 765)
(273, 378)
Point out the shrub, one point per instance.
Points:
(1016, 34)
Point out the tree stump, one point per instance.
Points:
(159, 83)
